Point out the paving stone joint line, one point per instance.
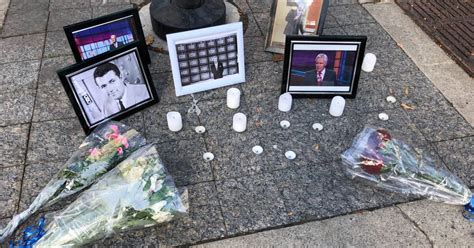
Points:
(415, 225)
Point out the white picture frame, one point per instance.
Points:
(207, 58)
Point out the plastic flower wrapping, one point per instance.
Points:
(393, 165)
(137, 193)
(102, 150)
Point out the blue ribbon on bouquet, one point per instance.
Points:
(468, 212)
(31, 235)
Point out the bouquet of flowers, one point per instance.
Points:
(391, 164)
(137, 193)
(101, 151)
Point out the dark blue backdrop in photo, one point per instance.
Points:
(342, 62)
(96, 40)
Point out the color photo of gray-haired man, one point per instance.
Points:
(320, 76)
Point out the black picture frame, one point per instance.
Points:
(343, 65)
(132, 17)
(284, 14)
(88, 99)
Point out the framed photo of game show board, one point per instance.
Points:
(207, 58)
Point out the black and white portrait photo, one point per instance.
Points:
(110, 87)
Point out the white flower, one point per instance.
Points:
(134, 174)
(158, 206)
(162, 217)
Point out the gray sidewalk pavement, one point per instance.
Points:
(238, 193)
(416, 224)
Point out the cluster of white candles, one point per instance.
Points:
(239, 121)
(337, 104)
(239, 124)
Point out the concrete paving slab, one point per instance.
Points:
(48, 142)
(27, 5)
(263, 22)
(381, 228)
(32, 21)
(68, 4)
(16, 107)
(251, 203)
(56, 45)
(48, 76)
(21, 48)
(186, 168)
(63, 17)
(255, 50)
(350, 14)
(10, 181)
(160, 133)
(35, 178)
(204, 220)
(4, 4)
(253, 28)
(13, 144)
(52, 103)
(442, 223)
(19, 75)
(458, 156)
(109, 2)
(2, 18)
(108, 9)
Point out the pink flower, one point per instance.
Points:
(95, 152)
(111, 136)
(114, 128)
(125, 142)
(120, 151)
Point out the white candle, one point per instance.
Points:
(285, 101)
(239, 122)
(337, 106)
(233, 98)
(369, 62)
(174, 121)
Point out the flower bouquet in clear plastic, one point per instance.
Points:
(102, 150)
(393, 165)
(138, 193)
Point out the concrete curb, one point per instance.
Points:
(3, 11)
(453, 82)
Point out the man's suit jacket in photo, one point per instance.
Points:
(310, 78)
(134, 93)
(112, 47)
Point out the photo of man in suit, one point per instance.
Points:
(114, 43)
(320, 76)
(118, 94)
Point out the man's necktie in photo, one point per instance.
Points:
(121, 105)
(320, 78)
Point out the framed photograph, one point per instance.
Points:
(107, 33)
(322, 66)
(109, 86)
(207, 58)
(294, 17)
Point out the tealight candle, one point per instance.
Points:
(233, 98)
(175, 122)
(369, 62)
(337, 106)
(284, 102)
(239, 122)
